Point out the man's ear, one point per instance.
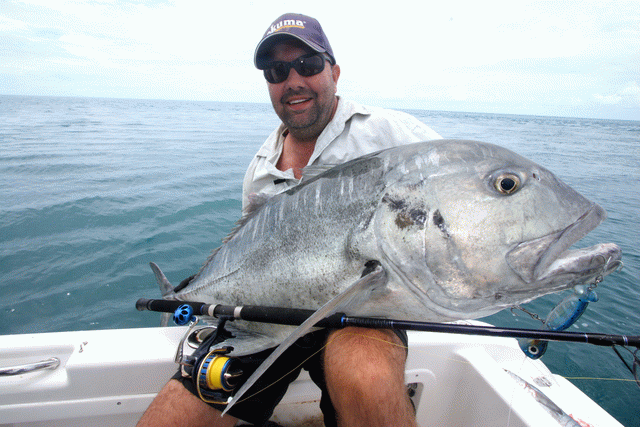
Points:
(335, 72)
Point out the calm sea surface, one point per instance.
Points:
(92, 190)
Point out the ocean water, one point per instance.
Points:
(92, 190)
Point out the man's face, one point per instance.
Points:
(304, 104)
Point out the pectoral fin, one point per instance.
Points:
(353, 296)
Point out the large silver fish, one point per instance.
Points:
(442, 230)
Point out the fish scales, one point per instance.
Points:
(295, 255)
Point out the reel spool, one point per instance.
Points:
(217, 372)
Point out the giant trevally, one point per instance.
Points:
(434, 231)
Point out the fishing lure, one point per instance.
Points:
(563, 315)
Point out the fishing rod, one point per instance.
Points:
(215, 373)
(293, 316)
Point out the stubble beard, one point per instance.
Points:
(309, 124)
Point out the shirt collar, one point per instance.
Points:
(345, 110)
(336, 126)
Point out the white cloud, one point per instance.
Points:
(608, 99)
(527, 55)
(632, 90)
(630, 94)
(8, 24)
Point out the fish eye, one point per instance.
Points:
(507, 183)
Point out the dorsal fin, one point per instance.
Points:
(256, 202)
(311, 171)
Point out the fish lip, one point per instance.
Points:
(532, 260)
(573, 267)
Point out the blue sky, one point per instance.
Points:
(559, 58)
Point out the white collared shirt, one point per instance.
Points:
(354, 131)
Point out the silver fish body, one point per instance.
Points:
(461, 230)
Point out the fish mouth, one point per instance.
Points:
(548, 259)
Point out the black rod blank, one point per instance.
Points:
(293, 316)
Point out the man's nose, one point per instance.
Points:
(294, 79)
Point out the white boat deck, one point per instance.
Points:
(109, 377)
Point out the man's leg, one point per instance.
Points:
(176, 406)
(364, 373)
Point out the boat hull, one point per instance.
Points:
(109, 378)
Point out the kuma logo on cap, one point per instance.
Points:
(287, 23)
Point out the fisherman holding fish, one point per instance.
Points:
(360, 371)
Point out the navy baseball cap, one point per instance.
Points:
(292, 25)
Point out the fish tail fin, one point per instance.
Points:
(165, 287)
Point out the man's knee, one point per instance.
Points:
(361, 356)
(175, 405)
(354, 342)
(364, 373)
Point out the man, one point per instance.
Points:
(360, 371)
(317, 126)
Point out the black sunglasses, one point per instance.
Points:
(306, 65)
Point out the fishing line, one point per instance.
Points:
(599, 379)
(449, 359)
(635, 371)
(296, 316)
(283, 376)
(317, 352)
(514, 388)
(513, 393)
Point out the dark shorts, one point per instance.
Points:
(259, 402)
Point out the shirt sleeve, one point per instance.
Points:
(403, 128)
(375, 131)
(247, 183)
